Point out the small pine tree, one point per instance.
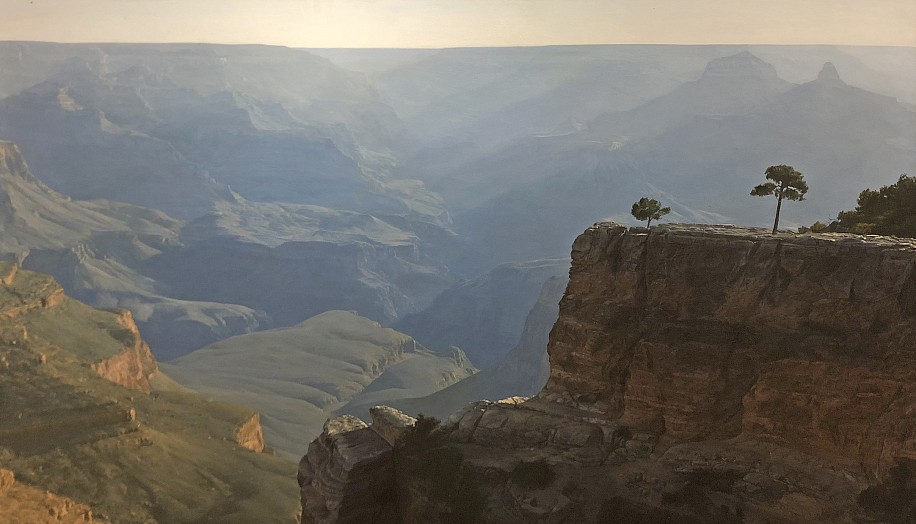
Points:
(787, 183)
(649, 209)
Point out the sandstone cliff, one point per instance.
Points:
(803, 341)
(250, 434)
(134, 365)
(703, 374)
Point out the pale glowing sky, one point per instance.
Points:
(451, 23)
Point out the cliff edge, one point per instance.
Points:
(701, 374)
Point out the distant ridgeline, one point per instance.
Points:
(218, 190)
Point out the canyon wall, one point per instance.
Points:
(714, 332)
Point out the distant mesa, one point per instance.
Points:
(741, 64)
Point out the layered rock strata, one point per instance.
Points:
(132, 367)
(348, 474)
(707, 374)
(714, 332)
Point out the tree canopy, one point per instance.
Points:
(787, 183)
(890, 210)
(649, 209)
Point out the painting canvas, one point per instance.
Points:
(378, 261)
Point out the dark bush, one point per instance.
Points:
(617, 510)
(894, 500)
(890, 210)
(421, 436)
(448, 489)
(532, 475)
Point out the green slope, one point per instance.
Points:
(297, 376)
(165, 456)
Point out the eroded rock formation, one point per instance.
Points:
(704, 374)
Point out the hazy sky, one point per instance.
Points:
(447, 23)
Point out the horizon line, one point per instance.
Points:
(436, 48)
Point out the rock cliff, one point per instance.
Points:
(702, 374)
(805, 341)
(134, 365)
(348, 473)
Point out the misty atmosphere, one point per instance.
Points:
(247, 241)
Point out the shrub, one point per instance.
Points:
(421, 436)
(442, 488)
(890, 210)
(532, 475)
(894, 500)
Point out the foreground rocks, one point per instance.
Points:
(698, 374)
(348, 473)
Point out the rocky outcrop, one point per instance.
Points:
(390, 423)
(7, 479)
(134, 365)
(348, 475)
(250, 435)
(21, 295)
(706, 374)
(8, 272)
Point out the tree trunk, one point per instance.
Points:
(649, 223)
(778, 207)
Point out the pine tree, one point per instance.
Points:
(787, 183)
(649, 209)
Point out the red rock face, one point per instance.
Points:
(134, 365)
(694, 332)
(250, 435)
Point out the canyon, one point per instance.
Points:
(698, 373)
